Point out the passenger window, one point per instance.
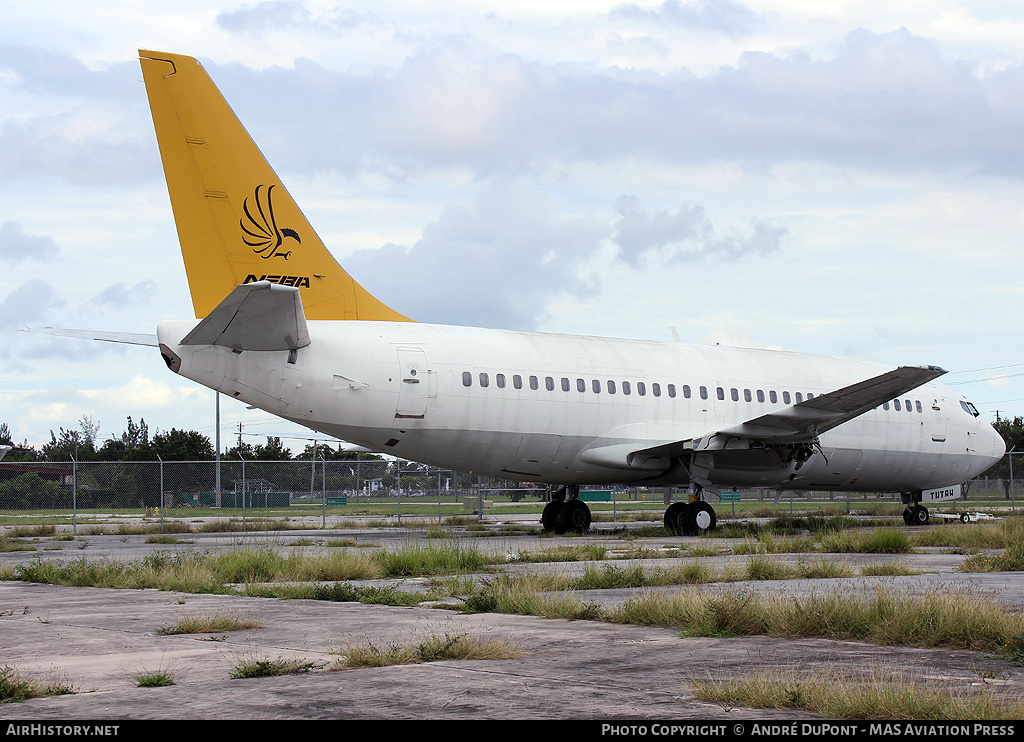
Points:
(799, 396)
(656, 389)
(896, 405)
(581, 385)
(534, 383)
(641, 388)
(625, 387)
(499, 379)
(483, 380)
(885, 406)
(611, 386)
(810, 396)
(746, 396)
(549, 383)
(906, 403)
(672, 391)
(785, 398)
(703, 392)
(467, 378)
(517, 381)
(720, 392)
(686, 391)
(760, 396)
(565, 384)
(917, 404)
(773, 397)
(596, 386)
(734, 393)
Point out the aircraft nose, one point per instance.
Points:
(998, 445)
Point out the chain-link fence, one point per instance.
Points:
(236, 488)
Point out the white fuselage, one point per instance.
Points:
(549, 408)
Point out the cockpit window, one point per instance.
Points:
(969, 408)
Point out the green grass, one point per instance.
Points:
(1011, 560)
(872, 541)
(447, 647)
(566, 553)
(956, 619)
(15, 688)
(830, 695)
(521, 596)
(14, 544)
(427, 560)
(973, 536)
(154, 679)
(209, 624)
(262, 667)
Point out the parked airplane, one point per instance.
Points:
(287, 330)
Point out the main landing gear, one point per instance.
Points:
(566, 513)
(690, 518)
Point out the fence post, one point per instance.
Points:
(74, 497)
(324, 524)
(1013, 502)
(161, 492)
(244, 488)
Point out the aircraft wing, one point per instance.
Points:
(798, 425)
(817, 415)
(255, 316)
(130, 338)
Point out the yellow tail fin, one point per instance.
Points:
(236, 222)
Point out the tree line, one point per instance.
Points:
(136, 444)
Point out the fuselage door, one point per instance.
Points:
(414, 383)
(939, 419)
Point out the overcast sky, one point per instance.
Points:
(838, 178)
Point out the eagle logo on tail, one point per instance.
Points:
(259, 227)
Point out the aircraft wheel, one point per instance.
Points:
(549, 518)
(965, 518)
(674, 517)
(919, 516)
(574, 517)
(700, 518)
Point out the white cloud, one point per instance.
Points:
(845, 180)
(16, 245)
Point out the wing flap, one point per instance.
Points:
(255, 316)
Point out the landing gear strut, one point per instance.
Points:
(566, 513)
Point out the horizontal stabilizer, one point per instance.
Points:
(129, 338)
(255, 316)
(819, 414)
